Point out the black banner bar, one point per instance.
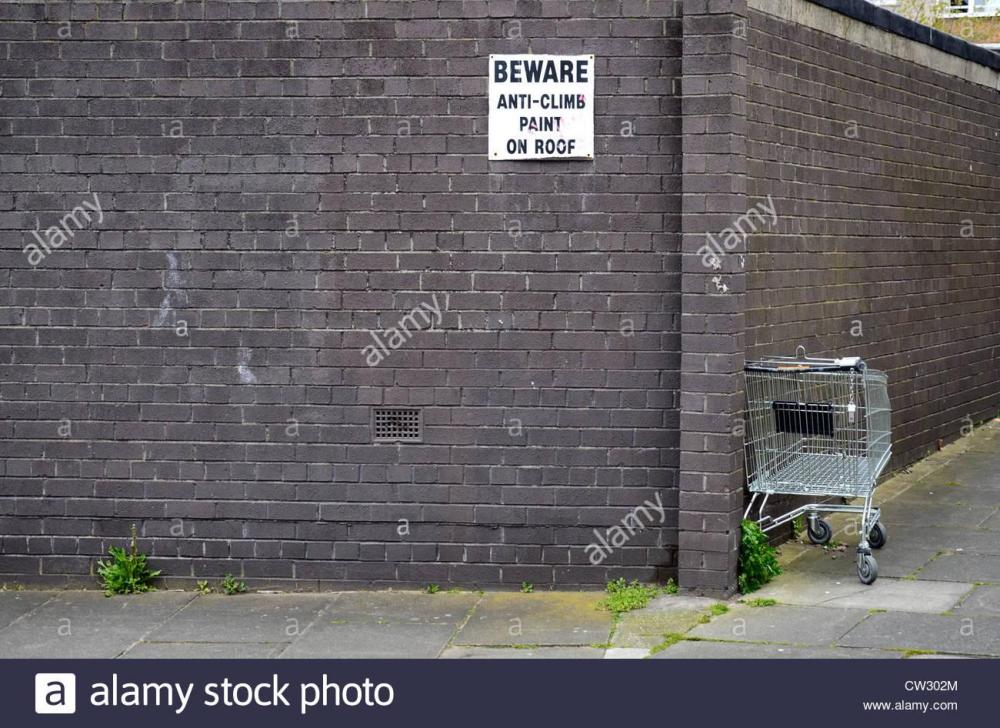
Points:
(486, 693)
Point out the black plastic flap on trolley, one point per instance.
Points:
(804, 418)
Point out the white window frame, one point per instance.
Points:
(971, 9)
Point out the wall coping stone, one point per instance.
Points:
(942, 52)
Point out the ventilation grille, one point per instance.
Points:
(392, 424)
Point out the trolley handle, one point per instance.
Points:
(803, 363)
(792, 367)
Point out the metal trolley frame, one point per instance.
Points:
(818, 427)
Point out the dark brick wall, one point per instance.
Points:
(275, 181)
(712, 321)
(884, 176)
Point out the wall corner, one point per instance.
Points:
(714, 197)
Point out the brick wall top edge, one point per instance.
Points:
(891, 22)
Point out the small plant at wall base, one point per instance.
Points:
(758, 559)
(126, 572)
(231, 585)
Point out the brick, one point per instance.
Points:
(318, 194)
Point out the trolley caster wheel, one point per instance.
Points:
(868, 570)
(819, 531)
(877, 536)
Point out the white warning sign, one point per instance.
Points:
(541, 107)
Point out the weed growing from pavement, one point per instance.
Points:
(202, 587)
(758, 559)
(670, 638)
(231, 585)
(625, 596)
(761, 602)
(433, 589)
(126, 572)
(527, 588)
(716, 610)
(912, 653)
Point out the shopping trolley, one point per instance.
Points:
(818, 427)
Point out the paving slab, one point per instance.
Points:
(992, 524)
(551, 618)
(384, 625)
(704, 650)
(819, 626)
(14, 605)
(523, 653)
(942, 538)
(983, 600)
(84, 624)
(935, 496)
(893, 561)
(243, 618)
(938, 633)
(667, 614)
(905, 595)
(963, 566)
(203, 650)
(919, 515)
(973, 467)
(987, 441)
(626, 653)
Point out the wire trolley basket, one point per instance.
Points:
(818, 427)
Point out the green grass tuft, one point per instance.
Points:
(912, 653)
(670, 638)
(626, 596)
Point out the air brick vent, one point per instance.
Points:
(394, 424)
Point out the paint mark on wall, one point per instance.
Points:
(172, 283)
(243, 368)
